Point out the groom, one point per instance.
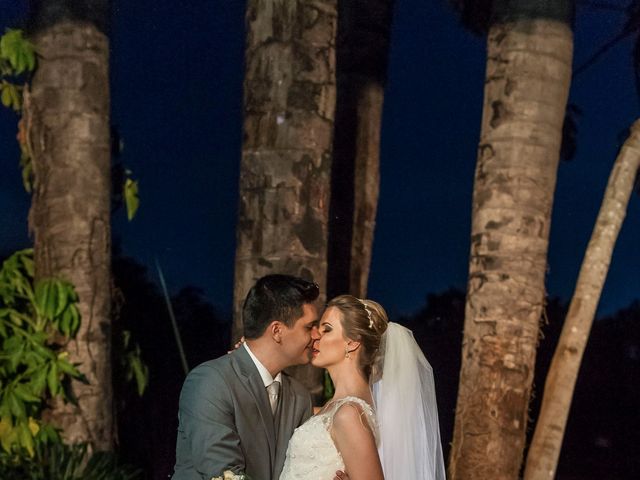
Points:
(238, 412)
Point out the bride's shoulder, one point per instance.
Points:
(348, 410)
(352, 411)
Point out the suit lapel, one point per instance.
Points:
(251, 378)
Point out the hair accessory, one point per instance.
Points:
(366, 309)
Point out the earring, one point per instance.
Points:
(346, 352)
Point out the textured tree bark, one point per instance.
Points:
(67, 118)
(362, 51)
(542, 459)
(289, 104)
(527, 83)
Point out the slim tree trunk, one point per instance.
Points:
(289, 104)
(527, 84)
(362, 51)
(67, 117)
(542, 459)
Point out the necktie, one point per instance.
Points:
(273, 390)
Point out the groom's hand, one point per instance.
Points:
(340, 475)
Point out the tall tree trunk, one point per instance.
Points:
(289, 104)
(527, 83)
(67, 117)
(542, 459)
(362, 51)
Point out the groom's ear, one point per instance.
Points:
(275, 329)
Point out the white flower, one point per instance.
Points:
(229, 475)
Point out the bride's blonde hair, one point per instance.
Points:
(364, 321)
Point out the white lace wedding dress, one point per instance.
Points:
(311, 454)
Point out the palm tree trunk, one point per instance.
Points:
(542, 459)
(527, 84)
(362, 51)
(67, 117)
(286, 155)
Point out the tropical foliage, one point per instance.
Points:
(35, 322)
(62, 462)
(17, 60)
(17, 57)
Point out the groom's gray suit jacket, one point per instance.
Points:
(225, 420)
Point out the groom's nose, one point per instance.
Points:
(315, 333)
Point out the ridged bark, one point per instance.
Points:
(67, 118)
(362, 51)
(527, 84)
(542, 459)
(289, 102)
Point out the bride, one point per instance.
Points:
(382, 421)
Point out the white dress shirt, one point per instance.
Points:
(267, 379)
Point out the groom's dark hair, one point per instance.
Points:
(276, 297)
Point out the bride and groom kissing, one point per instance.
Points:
(243, 413)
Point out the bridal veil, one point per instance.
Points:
(405, 399)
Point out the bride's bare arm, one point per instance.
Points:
(355, 442)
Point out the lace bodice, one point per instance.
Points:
(311, 454)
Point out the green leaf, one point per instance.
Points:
(66, 367)
(131, 198)
(70, 321)
(16, 97)
(46, 298)
(8, 434)
(6, 95)
(62, 298)
(51, 299)
(15, 354)
(26, 437)
(48, 433)
(53, 382)
(126, 338)
(18, 318)
(38, 381)
(28, 263)
(16, 405)
(141, 373)
(41, 296)
(22, 392)
(65, 323)
(17, 50)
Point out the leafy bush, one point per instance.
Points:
(33, 367)
(17, 56)
(17, 62)
(56, 461)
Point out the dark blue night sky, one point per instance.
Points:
(177, 102)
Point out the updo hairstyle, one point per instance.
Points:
(363, 321)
